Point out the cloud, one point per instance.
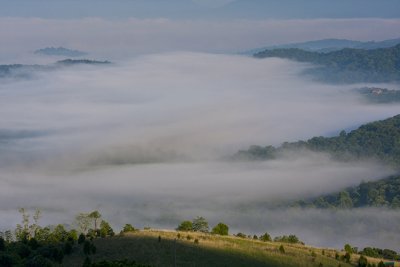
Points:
(142, 141)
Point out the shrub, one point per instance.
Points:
(265, 237)
(281, 249)
(185, 226)
(220, 229)
(241, 235)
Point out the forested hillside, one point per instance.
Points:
(378, 140)
(382, 193)
(346, 65)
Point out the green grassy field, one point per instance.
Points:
(211, 250)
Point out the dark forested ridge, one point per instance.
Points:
(382, 193)
(347, 65)
(25, 71)
(378, 140)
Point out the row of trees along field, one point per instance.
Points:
(31, 245)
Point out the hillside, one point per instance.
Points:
(347, 65)
(211, 250)
(382, 193)
(25, 71)
(329, 45)
(379, 140)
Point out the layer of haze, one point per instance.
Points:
(144, 141)
(122, 38)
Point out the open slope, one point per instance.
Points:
(211, 250)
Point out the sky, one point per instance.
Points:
(202, 9)
(145, 139)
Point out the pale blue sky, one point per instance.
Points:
(200, 9)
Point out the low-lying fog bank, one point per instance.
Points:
(142, 140)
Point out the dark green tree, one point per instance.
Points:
(185, 226)
(220, 229)
(362, 261)
(265, 237)
(200, 225)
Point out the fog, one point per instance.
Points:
(145, 141)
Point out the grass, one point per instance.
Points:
(210, 250)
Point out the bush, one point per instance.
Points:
(128, 228)
(281, 249)
(362, 261)
(265, 237)
(220, 229)
(200, 224)
(241, 235)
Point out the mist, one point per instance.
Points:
(145, 141)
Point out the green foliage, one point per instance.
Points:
(185, 226)
(95, 216)
(348, 248)
(105, 229)
(381, 264)
(281, 249)
(241, 235)
(347, 65)
(265, 237)
(287, 239)
(128, 228)
(220, 229)
(347, 257)
(376, 140)
(200, 225)
(362, 261)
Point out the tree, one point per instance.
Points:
(347, 257)
(83, 222)
(128, 228)
(265, 237)
(200, 225)
(348, 248)
(59, 233)
(185, 226)
(220, 229)
(95, 216)
(105, 229)
(362, 261)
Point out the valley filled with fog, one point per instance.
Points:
(148, 141)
